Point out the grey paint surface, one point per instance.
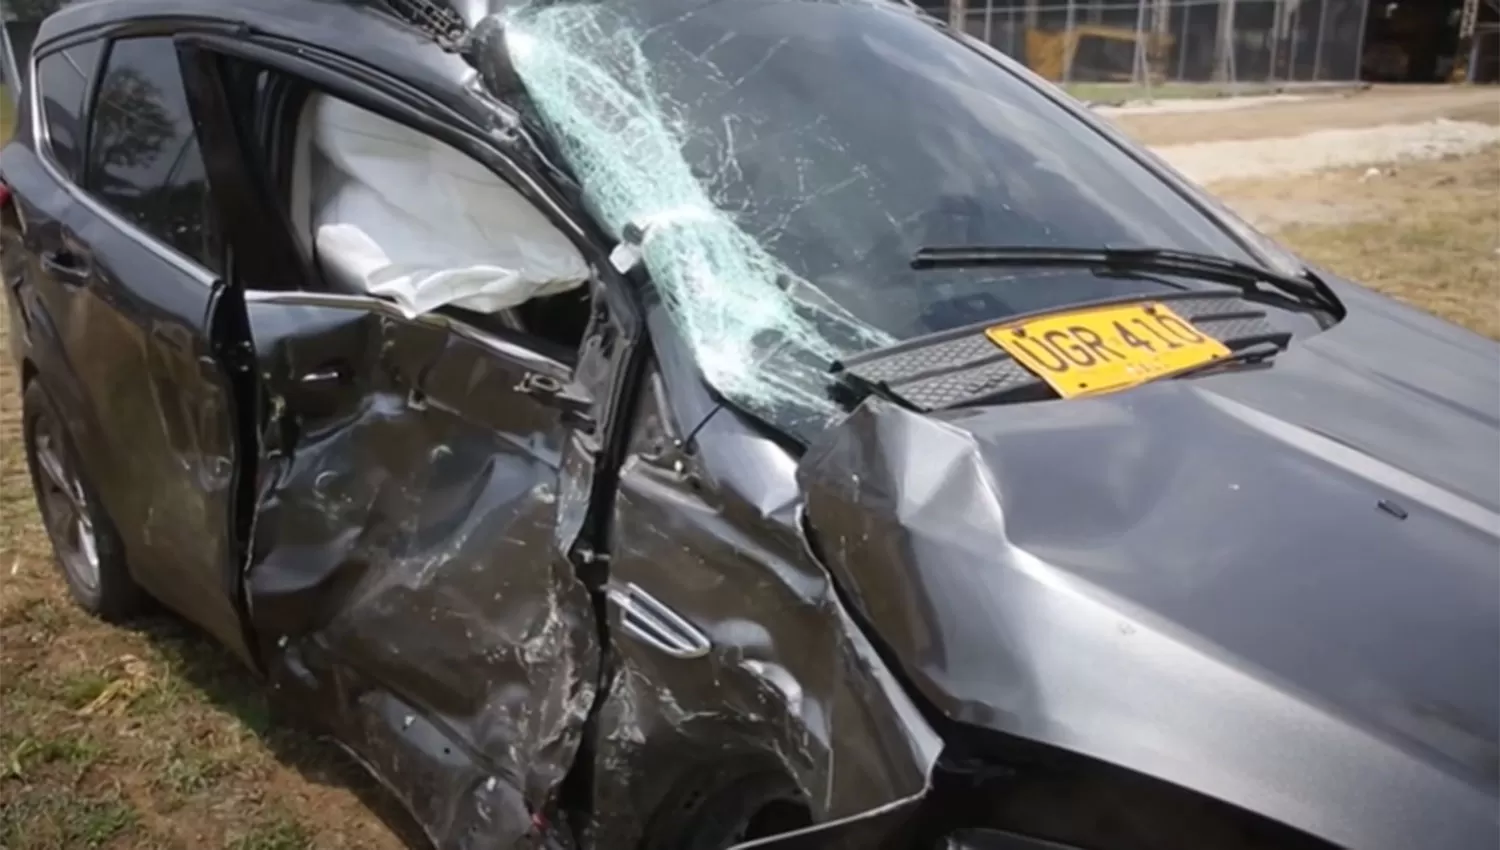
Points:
(786, 681)
(1193, 578)
(403, 576)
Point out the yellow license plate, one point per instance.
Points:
(1106, 348)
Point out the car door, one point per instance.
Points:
(126, 279)
(44, 177)
(407, 575)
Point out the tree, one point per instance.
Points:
(132, 126)
(30, 10)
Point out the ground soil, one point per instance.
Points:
(1379, 105)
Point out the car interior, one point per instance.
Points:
(551, 321)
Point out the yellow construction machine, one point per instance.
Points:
(1053, 53)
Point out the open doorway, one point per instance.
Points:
(1412, 41)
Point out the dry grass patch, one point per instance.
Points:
(1380, 105)
(149, 737)
(1427, 233)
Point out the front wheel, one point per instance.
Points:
(754, 807)
(87, 550)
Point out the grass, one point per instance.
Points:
(1121, 92)
(7, 115)
(149, 738)
(1425, 233)
(1111, 93)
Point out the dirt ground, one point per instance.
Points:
(147, 738)
(1424, 228)
(150, 738)
(1379, 105)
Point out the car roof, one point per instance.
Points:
(361, 30)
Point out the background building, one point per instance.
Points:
(1239, 42)
(1143, 44)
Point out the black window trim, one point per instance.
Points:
(516, 351)
(187, 265)
(39, 112)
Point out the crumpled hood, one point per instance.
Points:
(1277, 586)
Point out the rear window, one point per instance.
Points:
(144, 159)
(63, 80)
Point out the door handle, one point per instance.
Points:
(66, 266)
(328, 373)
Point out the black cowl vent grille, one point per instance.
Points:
(962, 366)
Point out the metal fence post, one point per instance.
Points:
(1318, 43)
(1276, 9)
(1225, 44)
(1138, 73)
(1359, 44)
(1010, 33)
(1294, 31)
(1068, 43)
(1182, 40)
(958, 14)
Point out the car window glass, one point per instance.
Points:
(144, 160)
(789, 157)
(65, 77)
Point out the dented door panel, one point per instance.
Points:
(403, 578)
(787, 683)
(124, 349)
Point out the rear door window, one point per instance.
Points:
(144, 161)
(64, 79)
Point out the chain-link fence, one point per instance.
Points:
(1161, 41)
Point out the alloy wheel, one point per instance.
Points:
(63, 505)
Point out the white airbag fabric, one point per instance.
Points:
(403, 216)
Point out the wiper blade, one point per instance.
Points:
(1255, 354)
(1307, 289)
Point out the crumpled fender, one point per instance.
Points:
(1036, 572)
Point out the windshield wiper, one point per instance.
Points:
(1254, 354)
(1306, 289)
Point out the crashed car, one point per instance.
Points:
(777, 423)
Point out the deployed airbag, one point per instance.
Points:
(400, 215)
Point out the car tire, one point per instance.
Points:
(753, 807)
(84, 542)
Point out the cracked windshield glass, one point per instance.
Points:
(782, 160)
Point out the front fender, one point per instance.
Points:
(785, 681)
(1002, 620)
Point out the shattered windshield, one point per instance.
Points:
(781, 160)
